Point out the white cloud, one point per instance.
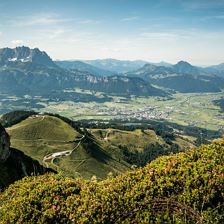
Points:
(159, 35)
(88, 21)
(48, 19)
(17, 42)
(56, 33)
(130, 19)
(39, 20)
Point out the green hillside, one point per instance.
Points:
(183, 188)
(41, 135)
(43, 127)
(99, 152)
(38, 136)
(14, 165)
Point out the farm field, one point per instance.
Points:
(185, 109)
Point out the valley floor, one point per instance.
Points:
(185, 109)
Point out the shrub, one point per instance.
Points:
(183, 188)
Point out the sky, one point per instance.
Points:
(152, 30)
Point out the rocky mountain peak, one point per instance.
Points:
(9, 56)
(185, 67)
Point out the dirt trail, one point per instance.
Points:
(52, 156)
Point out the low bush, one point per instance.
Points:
(183, 188)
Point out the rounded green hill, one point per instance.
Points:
(43, 127)
(40, 136)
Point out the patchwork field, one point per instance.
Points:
(185, 109)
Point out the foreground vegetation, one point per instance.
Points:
(183, 188)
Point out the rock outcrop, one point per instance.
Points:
(4, 145)
(14, 164)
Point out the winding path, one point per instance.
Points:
(52, 156)
(107, 134)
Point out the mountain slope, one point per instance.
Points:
(118, 66)
(185, 68)
(14, 164)
(42, 77)
(118, 85)
(182, 77)
(45, 81)
(92, 152)
(84, 67)
(41, 136)
(182, 188)
(215, 69)
(19, 55)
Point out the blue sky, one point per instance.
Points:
(168, 30)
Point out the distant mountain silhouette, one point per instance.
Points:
(185, 68)
(117, 66)
(11, 57)
(32, 72)
(82, 66)
(182, 77)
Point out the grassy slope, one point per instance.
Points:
(43, 127)
(132, 139)
(135, 140)
(40, 135)
(182, 188)
(99, 155)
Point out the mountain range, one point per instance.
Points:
(182, 77)
(105, 67)
(85, 67)
(31, 71)
(116, 66)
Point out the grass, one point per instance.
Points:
(37, 136)
(43, 127)
(182, 188)
(41, 135)
(100, 153)
(185, 108)
(132, 139)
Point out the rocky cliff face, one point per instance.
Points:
(10, 57)
(4, 145)
(14, 164)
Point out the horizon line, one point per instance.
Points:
(111, 58)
